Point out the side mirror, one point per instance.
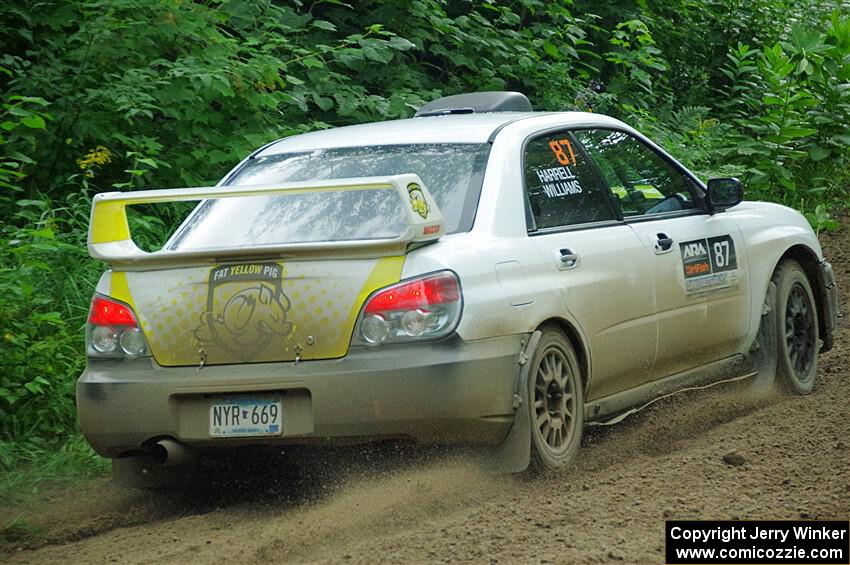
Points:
(723, 193)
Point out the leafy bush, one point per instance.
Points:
(790, 107)
(42, 311)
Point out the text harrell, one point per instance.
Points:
(570, 184)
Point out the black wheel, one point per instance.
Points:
(556, 402)
(796, 329)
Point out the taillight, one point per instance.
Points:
(427, 307)
(112, 330)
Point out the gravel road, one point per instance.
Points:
(720, 453)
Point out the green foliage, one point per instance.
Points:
(100, 95)
(176, 92)
(790, 107)
(21, 117)
(42, 311)
(635, 53)
(17, 530)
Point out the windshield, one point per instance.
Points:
(453, 173)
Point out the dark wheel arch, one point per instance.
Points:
(810, 263)
(578, 346)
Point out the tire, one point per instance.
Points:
(797, 334)
(555, 402)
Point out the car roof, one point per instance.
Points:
(456, 128)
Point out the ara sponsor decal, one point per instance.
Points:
(709, 263)
(417, 200)
(246, 309)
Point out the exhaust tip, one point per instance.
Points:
(170, 452)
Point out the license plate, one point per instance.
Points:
(242, 416)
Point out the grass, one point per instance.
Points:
(28, 468)
(18, 530)
(28, 471)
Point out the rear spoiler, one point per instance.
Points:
(110, 240)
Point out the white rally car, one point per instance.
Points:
(480, 273)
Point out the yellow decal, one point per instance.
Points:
(417, 200)
(246, 309)
(255, 312)
(120, 290)
(109, 222)
(387, 271)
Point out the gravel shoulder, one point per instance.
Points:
(670, 461)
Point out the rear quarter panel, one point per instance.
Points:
(506, 284)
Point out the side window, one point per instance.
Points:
(643, 182)
(563, 188)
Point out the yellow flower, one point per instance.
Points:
(100, 155)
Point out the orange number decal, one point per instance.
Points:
(558, 149)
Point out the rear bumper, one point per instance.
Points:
(452, 391)
(829, 301)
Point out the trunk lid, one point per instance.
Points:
(238, 312)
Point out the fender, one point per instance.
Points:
(769, 231)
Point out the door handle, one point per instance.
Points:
(664, 244)
(568, 259)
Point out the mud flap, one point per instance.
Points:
(829, 304)
(514, 454)
(763, 353)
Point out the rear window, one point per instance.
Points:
(453, 173)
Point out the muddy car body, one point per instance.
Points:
(470, 275)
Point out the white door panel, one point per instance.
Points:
(701, 289)
(606, 285)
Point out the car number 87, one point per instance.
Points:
(721, 253)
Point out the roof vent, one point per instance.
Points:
(476, 103)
